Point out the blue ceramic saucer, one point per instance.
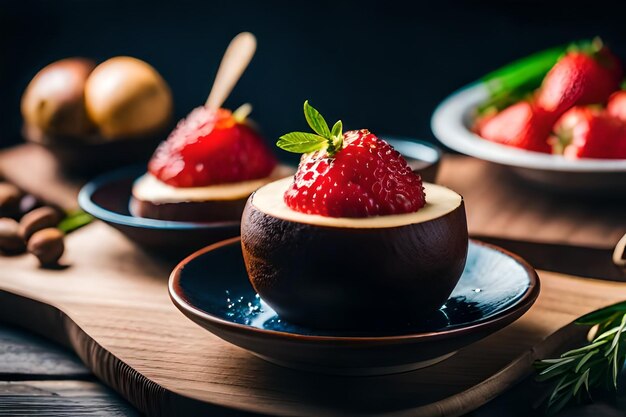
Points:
(107, 198)
(211, 288)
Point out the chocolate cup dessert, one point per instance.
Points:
(190, 211)
(327, 272)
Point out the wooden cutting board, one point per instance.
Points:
(110, 304)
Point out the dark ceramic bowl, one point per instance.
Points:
(211, 287)
(108, 196)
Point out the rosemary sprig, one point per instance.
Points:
(594, 366)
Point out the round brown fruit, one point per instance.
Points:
(127, 97)
(37, 219)
(53, 104)
(47, 245)
(10, 240)
(348, 273)
(10, 197)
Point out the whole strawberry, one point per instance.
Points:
(211, 147)
(354, 174)
(616, 106)
(589, 132)
(522, 125)
(585, 75)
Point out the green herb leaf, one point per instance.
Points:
(301, 142)
(337, 129)
(316, 121)
(75, 220)
(595, 317)
(594, 366)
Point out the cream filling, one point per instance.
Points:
(439, 202)
(149, 188)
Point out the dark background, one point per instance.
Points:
(381, 65)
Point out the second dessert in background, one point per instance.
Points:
(206, 169)
(213, 160)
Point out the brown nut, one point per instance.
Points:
(127, 97)
(39, 218)
(47, 245)
(10, 240)
(10, 197)
(54, 101)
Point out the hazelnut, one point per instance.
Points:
(39, 218)
(10, 240)
(10, 197)
(47, 245)
(127, 97)
(54, 103)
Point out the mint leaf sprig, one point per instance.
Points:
(323, 138)
(594, 366)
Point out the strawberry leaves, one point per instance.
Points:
(323, 138)
(301, 142)
(316, 120)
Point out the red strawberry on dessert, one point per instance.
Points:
(588, 132)
(205, 170)
(586, 75)
(616, 106)
(355, 174)
(522, 125)
(211, 147)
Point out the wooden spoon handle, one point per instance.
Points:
(236, 58)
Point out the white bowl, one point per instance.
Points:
(451, 125)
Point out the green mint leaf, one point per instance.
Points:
(337, 129)
(336, 139)
(301, 142)
(75, 220)
(316, 121)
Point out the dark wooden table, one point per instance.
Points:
(38, 377)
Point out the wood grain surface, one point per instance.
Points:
(25, 357)
(37, 377)
(500, 204)
(110, 305)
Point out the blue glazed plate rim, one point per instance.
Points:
(518, 306)
(85, 200)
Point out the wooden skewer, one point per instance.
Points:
(236, 59)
